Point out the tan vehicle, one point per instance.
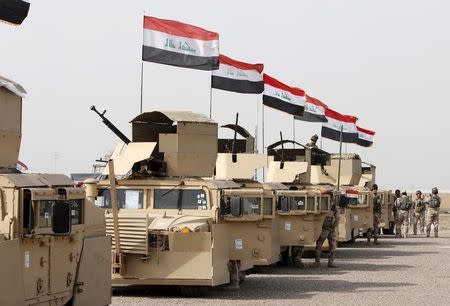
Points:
(53, 246)
(249, 211)
(368, 178)
(302, 208)
(357, 219)
(165, 219)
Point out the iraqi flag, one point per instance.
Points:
(332, 128)
(351, 193)
(365, 137)
(287, 99)
(314, 110)
(238, 76)
(178, 44)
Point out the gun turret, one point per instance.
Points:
(111, 126)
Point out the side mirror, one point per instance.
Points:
(283, 203)
(235, 205)
(61, 218)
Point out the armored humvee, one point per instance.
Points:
(53, 246)
(302, 208)
(249, 211)
(368, 178)
(165, 218)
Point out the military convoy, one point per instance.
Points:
(53, 246)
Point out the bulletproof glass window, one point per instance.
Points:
(251, 206)
(45, 213)
(324, 201)
(283, 203)
(362, 198)
(310, 203)
(267, 207)
(28, 213)
(76, 207)
(298, 203)
(126, 198)
(352, 200)
(179, 199)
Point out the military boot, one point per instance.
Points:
(375, 241)
(316, 263)
(234, 267)
(436, 235)
(331, 264)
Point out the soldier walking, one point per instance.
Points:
(330, 232)
(403, 205)
(376, 215)
(433, 212)
(419, 213)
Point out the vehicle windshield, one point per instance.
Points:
(45, 211)
(310, 203)
(324, 203)
(180, 199)
(126, 198)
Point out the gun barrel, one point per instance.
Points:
(111, 126)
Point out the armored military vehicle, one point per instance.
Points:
(357, 219)
(163, 216)
(249, 211)
(302, 208)
(368, 178)
(53, 246)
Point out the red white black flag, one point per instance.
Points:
(332, 128)
(178, 44)
(365, 137)
(288, 99)
(314, 110)
(238, 76)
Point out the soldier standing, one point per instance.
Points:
(330, 232)
(419, 213)
(403, 205)
(312, 144)
(376, 215)
(433, 212)
(397, 195)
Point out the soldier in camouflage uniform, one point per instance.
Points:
(402, 205)
(330, 232)
(433, 212)
(419, 213)
(376, 215)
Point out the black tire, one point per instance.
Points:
(285, 257)
(242, 275)
(193, 291)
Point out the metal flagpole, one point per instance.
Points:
(142, 64)
(257, 125)
(210, 98)
(142, 82)
(340, 158)
(293, 131)
(263, 142)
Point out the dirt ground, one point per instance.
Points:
(414, 270)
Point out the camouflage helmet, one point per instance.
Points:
(434, 190)
(418, 192)
(374, 187)
(314, 137)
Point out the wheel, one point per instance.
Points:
(285, 257)
(193, 291)
(241, 277)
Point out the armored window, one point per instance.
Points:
(310, 202)
(298, 203)
(179, 199)
(76, 207)
(267, 209)
(362, 198)
(324, 201)
(45, 213)
(251, 206)
(126, 198)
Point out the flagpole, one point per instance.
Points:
(142, 82)
(263, 141)
(210, 98)
(340, 158)
(257, 124)
(142, 64)
(293, 131)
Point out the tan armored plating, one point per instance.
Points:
(53, 247)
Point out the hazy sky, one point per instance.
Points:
(386, 62)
